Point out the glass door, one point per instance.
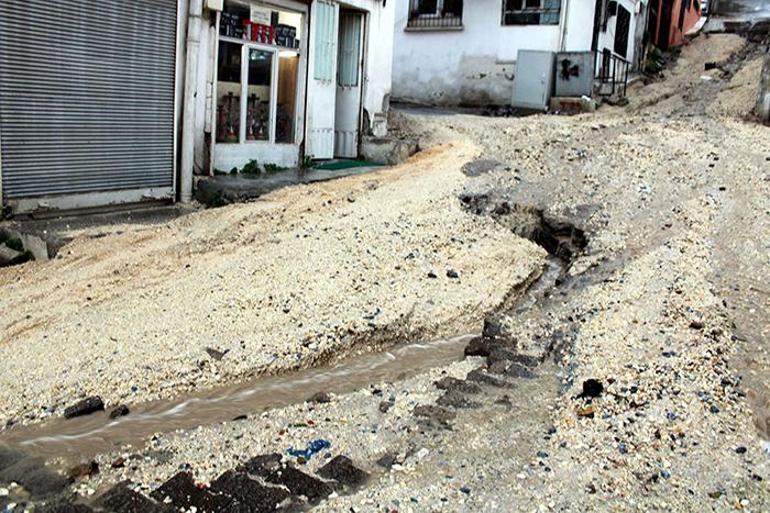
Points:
(259, 92)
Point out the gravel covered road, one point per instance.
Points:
(667, 307)
(307, 275)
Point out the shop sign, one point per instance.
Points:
(261, 15)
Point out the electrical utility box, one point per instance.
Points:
(574, 74)
(533, 83)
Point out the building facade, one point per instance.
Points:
(106, 102)
(670, 20)
(447, 53)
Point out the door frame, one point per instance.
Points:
(363, 59)
(279, 150)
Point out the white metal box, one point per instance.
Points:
(533, 83)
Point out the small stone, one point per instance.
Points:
(478, 346)
(741, 450)
(431, 274)
(216, 354)
(385, 406)
(696, 325)
(84, 470)
(451, 273)
(387, 460)
(592, 388)
(465, 490)
(119, 462)
(320, 398)
(120, 411)
(586, 411)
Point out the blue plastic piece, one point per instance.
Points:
(313, 447)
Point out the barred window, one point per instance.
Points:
(531, 12)
(435, 13)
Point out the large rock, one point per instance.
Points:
(37, 479)
(388, 150)
(249, 492)
(122, 499)
(182, 492)
(63, 506)
(87, 406)
(9, 256)
(300, 483)
(342, 470)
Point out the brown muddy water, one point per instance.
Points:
(81, 437)
(96, 433)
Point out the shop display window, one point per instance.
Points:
(259, 56)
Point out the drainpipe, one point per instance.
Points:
(190, 94)
(564, 28)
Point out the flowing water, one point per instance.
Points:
(95, 433)
(89, 435)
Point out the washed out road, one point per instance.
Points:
(667, 307)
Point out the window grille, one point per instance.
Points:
(531, 12)
(435, 14)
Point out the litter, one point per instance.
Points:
(313, 447)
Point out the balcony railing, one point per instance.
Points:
(435, 14)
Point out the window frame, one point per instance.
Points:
(437, 20)
(246, 47)
(541, 10)
(275, 50)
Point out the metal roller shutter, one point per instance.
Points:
(86, 95)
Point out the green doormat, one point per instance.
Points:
(336, 165)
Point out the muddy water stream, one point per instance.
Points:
(85, 436)
(97, 432)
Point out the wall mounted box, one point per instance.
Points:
(574, 74)
(533, 83)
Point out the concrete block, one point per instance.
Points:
(388, 150)
(8, 256)
(572, 105)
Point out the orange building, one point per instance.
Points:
(670, 20)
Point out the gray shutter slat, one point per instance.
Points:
(86, 95)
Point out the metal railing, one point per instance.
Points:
(435, 14)
(612, 70)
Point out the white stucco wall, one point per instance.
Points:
(476, 65)
(607, 39)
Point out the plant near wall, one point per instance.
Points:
(251, 168)
(306, 162)
(271, 168)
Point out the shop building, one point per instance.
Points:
(114, 102)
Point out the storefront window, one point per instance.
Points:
(259, 95)
(288, 65)
(266, 37)
(229, 92)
